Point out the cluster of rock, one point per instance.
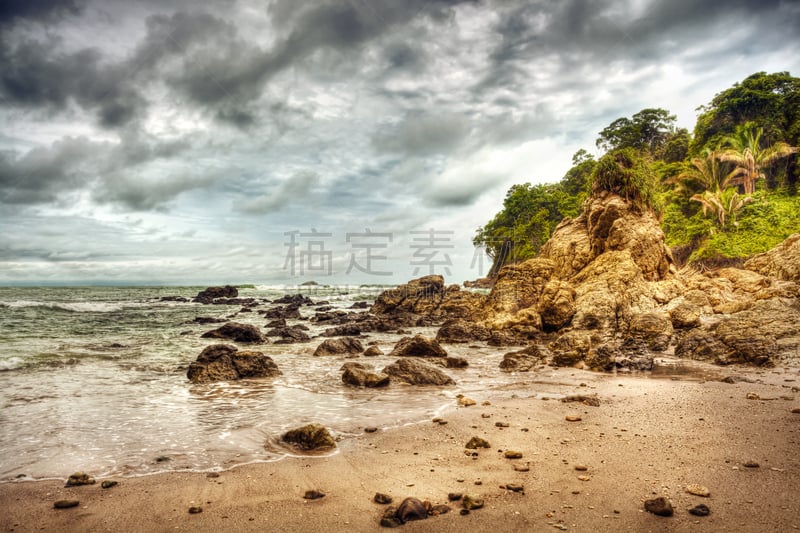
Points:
(222, 362)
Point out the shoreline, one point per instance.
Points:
(650, 436)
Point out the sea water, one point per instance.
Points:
(94, 379)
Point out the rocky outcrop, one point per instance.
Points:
(428, 296)
(339, 346)
(461, 330)
(782, 262)
(522, 360)
(210, 294)
(417, 346)
(417, 372)
(570, 348)
(654, 330)
(223, 362)
(359, 375)
(236, 332)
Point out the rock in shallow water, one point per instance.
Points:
(237, 332)
(339, 346)
(358, 375)
(222, 362)
(416, 372)
(310, 437)
(417, 346)
(79, 478)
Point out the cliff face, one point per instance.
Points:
(604, 293)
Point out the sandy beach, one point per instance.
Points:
(650, 436)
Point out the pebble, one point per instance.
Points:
(501, 424)
(751, 464)
(212, 475)
(370, 429)
(698, 490)
(485, 415)
(470, 502)
(573, 418)
(511, 454)
(700, 510)
(753, 396)
(581, 468)
(313, 494)
(513, 487)
(796, 410)
(454, 496)
(584, 478)
(195, 510)
(466, 402)
(79, 478)
(383, 499)
(464, 512)
(659, 506)
(477, 442)
(66, 504)
(522, 468)
(107, 484)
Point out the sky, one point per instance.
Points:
(341, 141)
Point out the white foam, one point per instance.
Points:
(77, 307)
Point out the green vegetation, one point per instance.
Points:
(727, 191)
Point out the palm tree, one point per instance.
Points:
(744, 150)
(709, 173)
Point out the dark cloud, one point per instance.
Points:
(138, 193)
(298, 187)
(38, 10)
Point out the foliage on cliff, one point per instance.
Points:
(727, 191)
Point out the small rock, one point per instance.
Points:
(501, 424)
(463, 512)
(470, 502)
(313, 494)
(383, 499)
(107, 484)
(163, 459)
(477, 442)
(584, 478)
(212, 475)
(454, 496)
(195, 510)
(411, 509)
(436, 510)
(514, 487)
(522, 468)
(79, 478)
(581, 468)
(659, 506)
(700, 510)
(796, 410)
(753, 396)
(65, 504)
(698, 490)
(751, 464)
(370, 429)
(573, 418)
(511, 454)
(466, 402)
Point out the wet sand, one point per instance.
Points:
(650, 436)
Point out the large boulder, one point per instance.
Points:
(311, 437)
(237, 332)
(461, 330)
(289, 334)
(417, 346)
(359, 375)
(419, 296)
(210, 294)
(556, 305)
(764, 335)
(339, 346)
(571, 347)
(523, 360)
(782, 262)
(653, 329)
(223, 362)
(417, 372)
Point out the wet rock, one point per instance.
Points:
(294, 299)
(511, 454)
(451, 362)
(460, 330)
(289, 334)
(420, 296)
(79, 478)
(611, 356)
(698, 490)
(463, 401)
(107, 484)
(210, 294)
(310, 437)
(477, 442)
(359, 375)
(284, 312)
(373, 351)
(360, 305)
(276, 323)
(411, 509)
(381, 498)
(236, 332)
(223, 362)
(417, 372)
(195, 510)
(700, 510)
(417, 346)
(659, 506)
(471, 502)
(65, 504)
(522, 360)
(313, 494)
(208, 320)
(346, 330)
(339, 346)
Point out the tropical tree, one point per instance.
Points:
(744, 150)
(708, 172)
(626, 173)
(648, 130)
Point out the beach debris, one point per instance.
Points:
(463, 401)
(339, 346)
(381, 498)
(659, 506)
(310, 437)
(700, 510)
(698, 490)
(477, 442)
(586, 399)
(195, 510)
(313, 494)
(417, 346)
(109, 483)
(573, 418)
(511, 454)
(471, 502)
(65, 504)
(79, 478)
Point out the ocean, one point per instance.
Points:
(94, 379)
